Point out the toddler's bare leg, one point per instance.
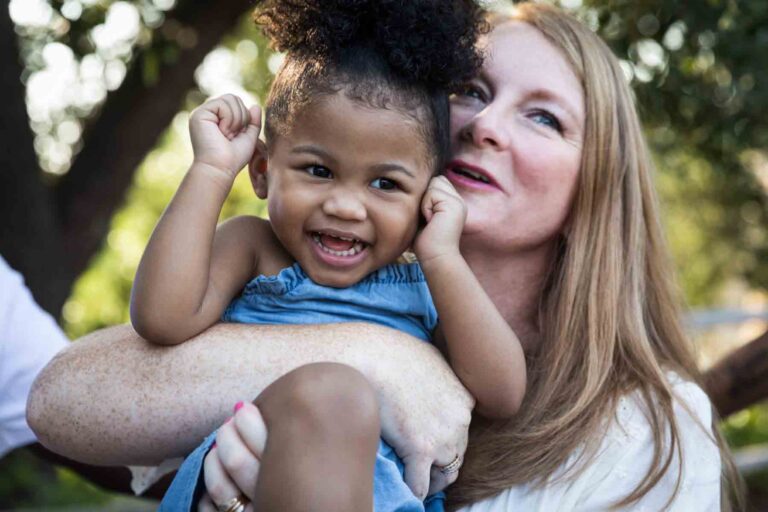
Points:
(323, 432)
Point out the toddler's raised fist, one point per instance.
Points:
(224, 133)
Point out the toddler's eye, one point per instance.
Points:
(384, 184)
(318, 171)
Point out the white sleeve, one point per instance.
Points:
(29, 338)
(627, 452)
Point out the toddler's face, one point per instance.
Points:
(345, 187)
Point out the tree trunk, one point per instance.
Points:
(51, 245)
(29, 232)
(741, 378)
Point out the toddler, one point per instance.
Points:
(356, 129)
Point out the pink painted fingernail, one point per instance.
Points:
(238, 405)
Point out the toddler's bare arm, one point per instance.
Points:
(189, 270)
(482, 348)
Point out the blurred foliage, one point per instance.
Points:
(700, 85)
(26, 481)
(702, 95)
(75, 52)
(745, 428)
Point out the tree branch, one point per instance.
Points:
(131, 121)
(741, 378)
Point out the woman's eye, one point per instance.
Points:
(318, 171)
(547, 119)
(384, 184)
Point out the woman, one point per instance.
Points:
(563, 233)
(551, 105)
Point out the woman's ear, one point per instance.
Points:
(257, 169)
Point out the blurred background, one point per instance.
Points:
(96, 97)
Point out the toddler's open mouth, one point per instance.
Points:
(338, 245)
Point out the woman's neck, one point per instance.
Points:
(514, 281)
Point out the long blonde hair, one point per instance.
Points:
(610, 317)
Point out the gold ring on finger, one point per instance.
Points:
(451, 467)
(236, 504)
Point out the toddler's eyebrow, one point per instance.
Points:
(379, 168)
(314, 150)
(385, 167)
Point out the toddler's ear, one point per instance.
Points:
(257, 169)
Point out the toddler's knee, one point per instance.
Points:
(327, 398)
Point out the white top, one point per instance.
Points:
(622, 461)
(29, 338)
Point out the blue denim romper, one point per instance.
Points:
(396, 296)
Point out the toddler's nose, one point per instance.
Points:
(345, 205)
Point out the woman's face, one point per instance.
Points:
(516, 134)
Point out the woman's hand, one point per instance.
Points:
(232, 466)
(425, 415)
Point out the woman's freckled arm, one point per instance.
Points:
(112, 398)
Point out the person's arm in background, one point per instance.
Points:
(114, 399)
(29, 338)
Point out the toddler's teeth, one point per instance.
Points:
(355, 249)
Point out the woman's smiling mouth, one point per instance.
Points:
(469, 176)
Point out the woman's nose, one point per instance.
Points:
(345, 205)
(487, 129)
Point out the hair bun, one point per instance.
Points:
(431, 42)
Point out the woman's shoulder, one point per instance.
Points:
(632, 425)
(627, 451)
(623, 457)
(691, 406)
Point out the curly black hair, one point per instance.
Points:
(407, 55)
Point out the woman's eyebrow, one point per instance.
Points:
(550, 95)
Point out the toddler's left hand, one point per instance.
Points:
(445, 213)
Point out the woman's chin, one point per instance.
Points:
(478, 224)
(477, 238)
